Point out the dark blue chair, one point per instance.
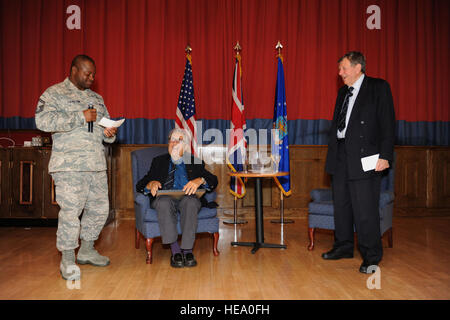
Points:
(147, 225)
(321, 213)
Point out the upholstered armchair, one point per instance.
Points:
(147, 226)
(321, 215)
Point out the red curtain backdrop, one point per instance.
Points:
(139, 47)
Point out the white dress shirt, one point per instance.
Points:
(356, 86)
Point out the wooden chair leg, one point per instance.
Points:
(311, 238)
(216, 240)
(148, 246)
(137, 238)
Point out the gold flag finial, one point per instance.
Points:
(237, 47)
(279, 46)
(188, 51)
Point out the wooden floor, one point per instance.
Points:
(416, 268)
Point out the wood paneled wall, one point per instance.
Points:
(421, 182)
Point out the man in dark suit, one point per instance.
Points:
(363, 125)
(177, 170)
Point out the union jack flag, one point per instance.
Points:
(186, 107)
(237, 146)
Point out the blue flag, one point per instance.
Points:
(280, 145)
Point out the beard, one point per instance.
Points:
(176, 153)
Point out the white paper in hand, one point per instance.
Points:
(370, 162)
(108, 123)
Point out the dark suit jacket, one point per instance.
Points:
(159, 171)
(370, 130)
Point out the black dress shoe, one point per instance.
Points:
(336, 254)
(176, 260)
(189, 260)
(368, 267)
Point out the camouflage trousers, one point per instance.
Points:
(76, 193)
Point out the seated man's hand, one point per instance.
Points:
(192, 186)
(153, 186)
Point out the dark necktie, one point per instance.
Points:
(168, 185)
(343, 113)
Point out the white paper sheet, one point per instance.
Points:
(370, 162)
(108, 123)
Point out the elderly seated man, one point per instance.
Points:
(177, 170)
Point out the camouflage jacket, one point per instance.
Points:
(60, 111)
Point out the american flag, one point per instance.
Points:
(237, 146)
(186, 107)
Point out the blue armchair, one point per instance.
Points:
(321, 215)
(146, 218)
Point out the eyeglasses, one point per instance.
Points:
(175, 140)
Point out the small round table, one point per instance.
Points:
(259, 222)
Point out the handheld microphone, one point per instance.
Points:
(90, 123)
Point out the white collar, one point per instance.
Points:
(357, 85)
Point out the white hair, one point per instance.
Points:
(179, 131)
(182, 132)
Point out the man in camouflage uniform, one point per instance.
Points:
(77, 163)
